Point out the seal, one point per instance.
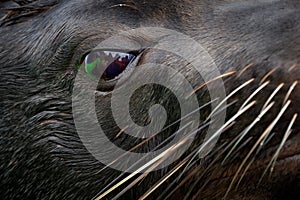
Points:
(45, 44)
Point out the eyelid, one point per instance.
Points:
(125, 5)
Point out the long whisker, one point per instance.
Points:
(292, 67)
(137, 180)
(221, 110)
(254, 93)
(290, 92)
(267, 131)
(211, 164)
(166, 177)
(245, 69)
(220, 130)
(246, 131)
(275, 156)
(265, 141)
(120, 176)
(286, 136)
(160, 156)
(207, 169)
(121, 132)
(191, 174)
(189, 135)
(230, 95)
(212, 80)
(176, 180)
(144, 167)
(268, 75)
(244, 173)
(154, 135)
(273, 95)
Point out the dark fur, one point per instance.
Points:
(42, 42)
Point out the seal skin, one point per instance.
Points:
(43, 41)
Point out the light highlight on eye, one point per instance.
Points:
(113, 64)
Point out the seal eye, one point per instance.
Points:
(113, 63)
(109, 67)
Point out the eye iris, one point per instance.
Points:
(114, 63)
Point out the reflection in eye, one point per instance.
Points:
(114, 63)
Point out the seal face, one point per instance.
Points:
(110, 58)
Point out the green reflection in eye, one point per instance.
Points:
(90, 68)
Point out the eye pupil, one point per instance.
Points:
(117, 66)
(113, 63)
